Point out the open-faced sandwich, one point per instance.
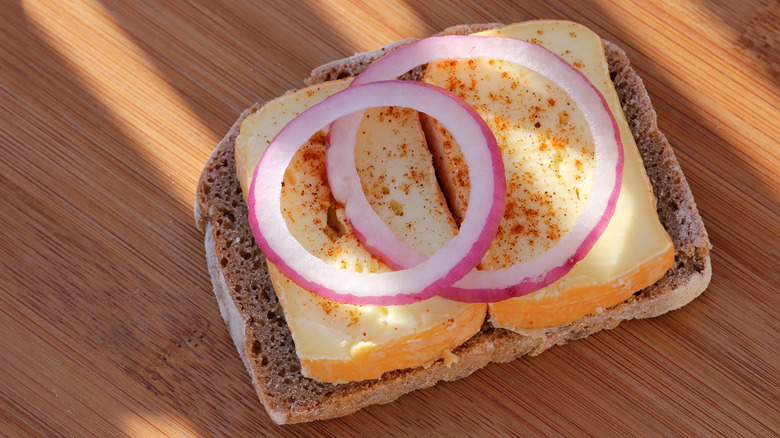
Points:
(368, 236)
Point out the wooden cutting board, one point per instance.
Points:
(108, 110)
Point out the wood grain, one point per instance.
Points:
(108, 110)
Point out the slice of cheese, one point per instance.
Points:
(548, 156)
(339, 342)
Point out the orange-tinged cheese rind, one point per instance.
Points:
(370, 361)
(539, 311)
(341, 343)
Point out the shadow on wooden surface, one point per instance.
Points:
(97, 271)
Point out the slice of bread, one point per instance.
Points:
(256, 322)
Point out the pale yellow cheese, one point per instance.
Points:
(339, 342)
(548, 156)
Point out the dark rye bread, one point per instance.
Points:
(256, 321)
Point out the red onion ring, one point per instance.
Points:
(427, 278)
(524, 277)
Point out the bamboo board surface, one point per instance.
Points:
(109, 109)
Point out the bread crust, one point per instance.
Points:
(256, 322)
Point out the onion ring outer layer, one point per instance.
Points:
(431, 275)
